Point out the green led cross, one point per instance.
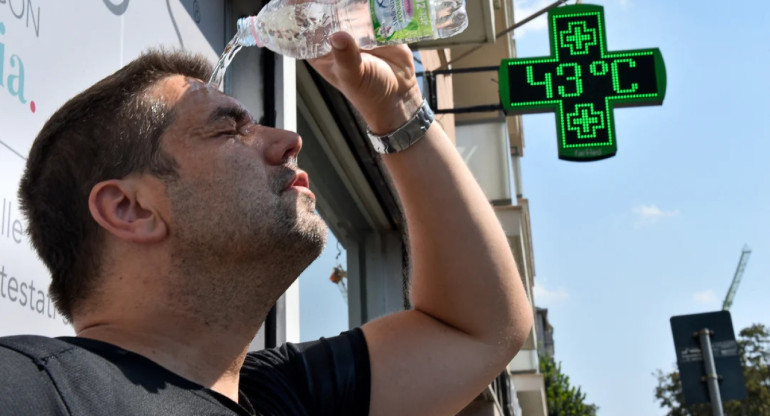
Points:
(578, 37)
(585, 121)
(582, 82)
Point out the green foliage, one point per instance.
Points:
(563, 399)
(754, 348)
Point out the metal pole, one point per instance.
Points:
(712, 379)
(504, 32)
(455, 71)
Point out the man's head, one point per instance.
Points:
(153, 118)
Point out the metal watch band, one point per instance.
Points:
(406, 135)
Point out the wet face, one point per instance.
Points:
(239, 199)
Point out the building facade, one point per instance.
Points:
(492, 144)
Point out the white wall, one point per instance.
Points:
(49, 51)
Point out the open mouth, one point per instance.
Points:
(300, 182)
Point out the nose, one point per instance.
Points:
(282, 145)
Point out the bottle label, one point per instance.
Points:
(398, 20)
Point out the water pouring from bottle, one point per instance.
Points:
(218, 76)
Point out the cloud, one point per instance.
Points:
(522, 9)
(651, 214)
(545, 296)
(705, 297)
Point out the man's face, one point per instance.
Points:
(239, 197)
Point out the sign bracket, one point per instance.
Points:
(432, 96)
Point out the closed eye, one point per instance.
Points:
(232, 130)
(231, 121)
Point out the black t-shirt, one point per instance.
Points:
(79, 376)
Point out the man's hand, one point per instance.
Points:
(380, 83)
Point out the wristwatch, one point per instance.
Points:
(408, 134)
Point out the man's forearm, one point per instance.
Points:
(463, 271)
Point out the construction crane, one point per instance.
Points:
(736, 278)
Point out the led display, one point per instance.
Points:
(582, 82)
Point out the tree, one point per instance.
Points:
(754, 350)
(563, 399)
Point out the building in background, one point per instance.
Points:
(544, 333)
(492, 144)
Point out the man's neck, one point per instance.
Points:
(196, 323)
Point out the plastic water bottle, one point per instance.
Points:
(301, 28)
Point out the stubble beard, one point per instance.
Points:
(297, 237)
(234, 257)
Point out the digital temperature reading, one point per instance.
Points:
(582, 82)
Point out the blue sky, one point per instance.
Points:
(323, 311)
(623, 244)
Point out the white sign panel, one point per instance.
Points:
(484, 148)
(49, 51)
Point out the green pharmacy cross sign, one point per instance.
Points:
(582, 82)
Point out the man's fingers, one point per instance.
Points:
(347, 56)
(397, 54)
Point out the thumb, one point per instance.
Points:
(347, 56)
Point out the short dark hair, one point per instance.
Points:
(108, 131)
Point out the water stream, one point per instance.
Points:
(218, 76)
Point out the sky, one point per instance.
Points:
(323, 310)
(623, 244)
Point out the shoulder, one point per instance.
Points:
(80, 376)
(24, 352)
(344, 351)
(27, 387)
(330, 376)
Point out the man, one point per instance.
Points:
(171, 223)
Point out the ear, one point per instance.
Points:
(124, 209)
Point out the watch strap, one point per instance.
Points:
(405, 136)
